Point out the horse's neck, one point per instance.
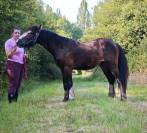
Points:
(44, 39)
(53, 42)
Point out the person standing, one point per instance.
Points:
(14, 65)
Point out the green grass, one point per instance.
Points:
(41, 110)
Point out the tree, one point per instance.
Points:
(84, 16)
(124, 21)
(58, 12)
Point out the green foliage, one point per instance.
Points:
(67, 29)
(137, 58)
(124, 21)
(96, 74)
(41, 64)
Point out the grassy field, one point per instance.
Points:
(42, 110)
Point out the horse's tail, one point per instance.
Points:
(123, 67)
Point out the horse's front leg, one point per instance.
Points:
(68, 84)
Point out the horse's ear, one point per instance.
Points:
(40, 27)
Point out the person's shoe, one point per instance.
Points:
(11, 97)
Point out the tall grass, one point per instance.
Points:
(41, 110)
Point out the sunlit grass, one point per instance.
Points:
(41, 110)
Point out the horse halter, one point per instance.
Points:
(36, 37)
(31, 42)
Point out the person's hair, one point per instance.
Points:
(15, 28)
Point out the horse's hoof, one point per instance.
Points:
(123, 98)
(65, 99)
(71, 97)
(71, 94)
(111, 95)
(15, 100)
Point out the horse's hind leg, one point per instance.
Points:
(120, 83)
(67, 83)
(122, 88)
(110, 77)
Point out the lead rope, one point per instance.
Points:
(25, 63)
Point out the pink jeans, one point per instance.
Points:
(15, 73)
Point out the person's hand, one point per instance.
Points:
(14, 48)
(26, 56)
(10, 73)
(11, 52)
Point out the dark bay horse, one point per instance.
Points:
(70, 54)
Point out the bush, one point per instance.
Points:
(137, 58)
(41, 64)
(3, 82)
(97, 74)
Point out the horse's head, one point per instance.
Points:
(29, 37)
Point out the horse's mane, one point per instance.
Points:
(56, 37)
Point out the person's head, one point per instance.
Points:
(15, 33)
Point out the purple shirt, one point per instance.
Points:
(18, 55)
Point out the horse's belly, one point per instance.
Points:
(86, 66)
